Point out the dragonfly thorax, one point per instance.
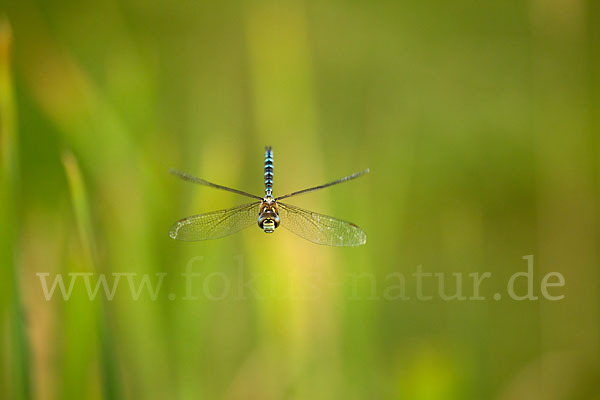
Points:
(268, 216)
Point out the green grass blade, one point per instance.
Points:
(16, 371)
(81, 208)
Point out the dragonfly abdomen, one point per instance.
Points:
(268, 171)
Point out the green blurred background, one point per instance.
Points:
(479, 121)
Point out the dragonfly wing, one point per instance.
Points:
(200, 181)
(319, 228)
(312, 189)
(215, 224)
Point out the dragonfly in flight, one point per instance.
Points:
(269, 212)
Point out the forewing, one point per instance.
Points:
(194, 179)
(215, 224)
(319, 228)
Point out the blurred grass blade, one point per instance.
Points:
(18, 371)
(81, 207)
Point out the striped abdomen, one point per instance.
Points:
(268, 171)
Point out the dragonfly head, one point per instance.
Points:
(268, 217)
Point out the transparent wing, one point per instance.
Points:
(319, 228)
(200, 181)
(215, 224)
(312, 189)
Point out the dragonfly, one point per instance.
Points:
(269, 213)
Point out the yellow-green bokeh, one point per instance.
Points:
(479, 121)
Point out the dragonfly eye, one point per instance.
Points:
(268, 221)
(268, 225)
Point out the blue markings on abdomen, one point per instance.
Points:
(268, 171)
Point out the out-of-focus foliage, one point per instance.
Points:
(479, 121)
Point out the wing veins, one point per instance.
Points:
(329, 230)
(198, 222)
(199, 181)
